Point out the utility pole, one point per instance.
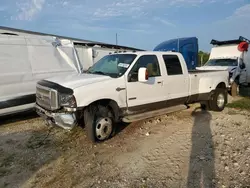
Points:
(116, 39)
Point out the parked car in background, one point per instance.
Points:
(233, 56)
(128, 87)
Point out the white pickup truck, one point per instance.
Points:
(128, 87)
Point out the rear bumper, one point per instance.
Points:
(66, 120)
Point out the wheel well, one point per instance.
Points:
(221, 85)
(110, 104)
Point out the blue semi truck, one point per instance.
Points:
(188, 47)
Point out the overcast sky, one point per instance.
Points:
(139, 23)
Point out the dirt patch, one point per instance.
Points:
(191, 148)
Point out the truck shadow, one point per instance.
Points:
(31, 114)
(23, 153)
(201, 165)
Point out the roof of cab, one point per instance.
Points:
(149, 53)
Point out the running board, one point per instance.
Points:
(151, 114)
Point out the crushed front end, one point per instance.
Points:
(56, 104)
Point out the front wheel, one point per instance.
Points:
(99, 123)
(218, 100)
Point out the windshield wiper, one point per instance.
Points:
(99, 72)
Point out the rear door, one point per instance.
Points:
(149, 95)
(176, 81)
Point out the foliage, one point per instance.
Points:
(203, 58)
(243, 103)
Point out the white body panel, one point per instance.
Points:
(89, 88)
(24, 61)
(105, 89)
(151, 91)
(204, 82)
(225, 51)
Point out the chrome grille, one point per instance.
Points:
(46, 97)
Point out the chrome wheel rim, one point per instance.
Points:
(103, 128)
(220, 100)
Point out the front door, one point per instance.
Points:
(142, 97)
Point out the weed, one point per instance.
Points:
(243, 104)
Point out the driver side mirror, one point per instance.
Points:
(143, 74)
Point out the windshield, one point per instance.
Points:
(222, 62)
(112, 65)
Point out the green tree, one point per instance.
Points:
(203, 58)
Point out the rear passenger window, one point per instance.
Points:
(173, 64)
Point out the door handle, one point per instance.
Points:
(160, 82)
(120, 89)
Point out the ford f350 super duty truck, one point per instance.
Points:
(128, 87)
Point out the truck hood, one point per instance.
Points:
(75, 80)
(229, 69)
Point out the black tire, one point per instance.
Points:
(92, 115)
(218, 100)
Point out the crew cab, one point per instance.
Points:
(128, 87)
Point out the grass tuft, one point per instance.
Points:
(243, 104)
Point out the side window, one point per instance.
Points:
(173, 64)
(148, 61)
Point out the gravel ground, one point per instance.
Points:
(191, 148)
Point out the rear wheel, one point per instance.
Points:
(99, 123)
(218, 100)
